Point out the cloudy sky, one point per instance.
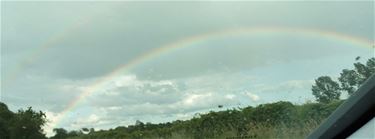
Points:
(233, 54)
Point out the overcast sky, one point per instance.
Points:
(51, 52)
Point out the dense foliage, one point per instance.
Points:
(273, 120)
(25, 124)
(326, 89)
(280, 119)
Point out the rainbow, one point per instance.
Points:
(191, 41)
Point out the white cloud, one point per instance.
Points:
(115, 108)
(52, 118)
(126, 95)
(194, 99)
(252, 96)
(91, 120)
(230, 96)
(126, 81)
(286, 86)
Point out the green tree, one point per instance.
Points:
(60, 133)
(27, 124)
(364, 71)
(371, 65)
(74, 133)
(351, 79)
(92, 130)
(5, 117)
(325, 89)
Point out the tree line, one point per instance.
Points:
(327, 89)
(272, 120)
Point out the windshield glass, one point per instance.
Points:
(158, 69)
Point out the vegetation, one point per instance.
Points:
(273, 120)
(25, 124)
(326, 90)
(280, 119)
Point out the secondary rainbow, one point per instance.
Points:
(43, 48)
(191, 41)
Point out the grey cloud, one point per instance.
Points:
(239, 54)
(41, 92)
(116, 33)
